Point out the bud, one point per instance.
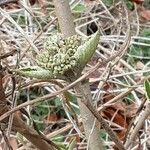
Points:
(58, 56)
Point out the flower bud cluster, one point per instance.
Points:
(59, 54)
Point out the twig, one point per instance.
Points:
(8, 54)
(38, 35)
(6, 140)
(138, 126)
(104, 124)
(4, 2)
(116, 99)
(5, 14)
(60, 131)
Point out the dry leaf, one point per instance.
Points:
(43, 5)
(138, 1)
(12, 141)
(145, 14)
(139, 65)
(51, 118)
(119, 119)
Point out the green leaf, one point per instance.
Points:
(108, 3)
(70, 97)
(72, 144)
(86, 50)
(147, 88)
(35, 72)
(80, 8)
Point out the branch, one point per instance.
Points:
(4, 2)
(65, 17)
(138, 126)
(104, 124)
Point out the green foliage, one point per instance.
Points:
(80, 8)
(58, 139)
(129, 4)
(43, 109)
(62, 55)
(86, 50)
(129, 99)
(38, 113)
(72, 144)
(140, 52)
(35, 72)
(147, 88)
(108, 3)
(103, 134)
(147, 4)
(73, 98)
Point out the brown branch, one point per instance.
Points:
(66, 23)
(89, 121)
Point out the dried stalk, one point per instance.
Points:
(138, 126)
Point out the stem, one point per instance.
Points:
(138, 126)
(88, 119)
(30, 134)
(65, 17)
(65, 20)
(113, 136)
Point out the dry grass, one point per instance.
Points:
(25, 30)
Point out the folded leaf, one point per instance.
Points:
(147, 88)
(35, 72)
(86, 51)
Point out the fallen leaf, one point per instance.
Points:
(119, 119)
(51, 118)
(43, 6)
(139, 65)
(138, 1)
(145, 14)
(12, 141)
